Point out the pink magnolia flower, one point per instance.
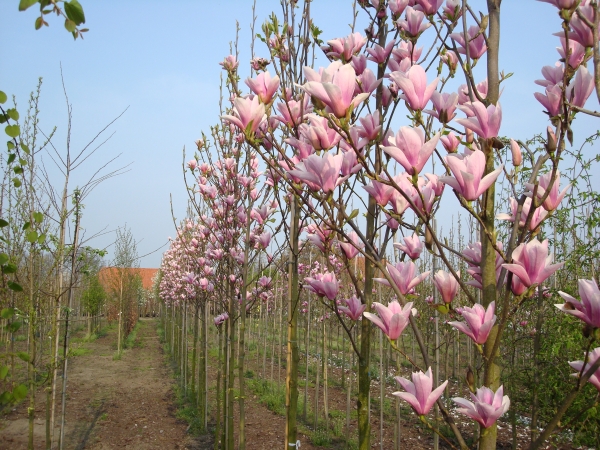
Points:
(248, 114)
(382, 193)
(467, 171)
(229, 63)
(579, 365)
(531, 263)
(220, 319)
(336, 88)
(554, 198)
(552, 100)
(353, 309)
(486, 121)
(517, 156)
(318, 133)
(429, 7)
(392, 318)
(419, 394)
(486, 407)
(264, 86)
(561, 4)
(344, 48)
(293, 112)
(579, 91)
(192, 164)
(538, 216)
(397, 7)
(576, 52)
(588, 309)
(351, 249)
(371, 126)
(323, 284)
(412, 246)
(552, 75)
(414, 86)
(477, 47)
(320, 173)
(403, 274)
(446, 284)
(409, 148)
(366, 83)
(406, 51)
(450, 142)
(450, 59)
(452, 10)
(444, 106)
(414, 23)
(378, 54)
(580, 31)
(478, 322)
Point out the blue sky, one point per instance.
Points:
(160, 59)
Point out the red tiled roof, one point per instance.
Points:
(107, 273)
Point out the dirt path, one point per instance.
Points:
(127, 403)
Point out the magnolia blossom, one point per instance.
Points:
(392, 318)
(478, 322)
(419, 394)
(220, 319)
(403, 274)
(336, 88)
(446, 284)
(248, 114)
(264, 86)
(585, 365)
(485, 121)
(467, 171)
(351, 249)
(486, 407)
(412, 246)
(588, 310)
(536, 219)
(444, 106)
(353, 309)
(476, 40)
(320, 173)
(552, 100)
(531, 263)
(323, 284)
(414, 86)
(409, 148)
(414, 23)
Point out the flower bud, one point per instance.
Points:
(517, 157)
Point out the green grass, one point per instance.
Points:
(117, 356)
(130, 340)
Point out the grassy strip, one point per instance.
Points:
(130, 340)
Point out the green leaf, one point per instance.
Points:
(41, 239)
(20, 392)
(31, 236)
(24, 4)
(7, 313)
(3, 223)
(9, 268)
(3, 259)
(74, 12)
(13, 327)
(3, 97)
(6, 398)
(3, 372)
(11, 158)
(15, 286)
(3, 118)
(24, 356)
(12, 130)
(38, 217)
(10, 145)
(25, 148)
(70, 25)
(353, 214)
(23, 162)
(39, 22)
(16, 182)
(26, 225)
(18, 170)
(13, 113)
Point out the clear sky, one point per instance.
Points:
(160, 59)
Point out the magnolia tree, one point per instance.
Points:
(368, 130)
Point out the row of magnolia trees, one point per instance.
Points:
(364, 159)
